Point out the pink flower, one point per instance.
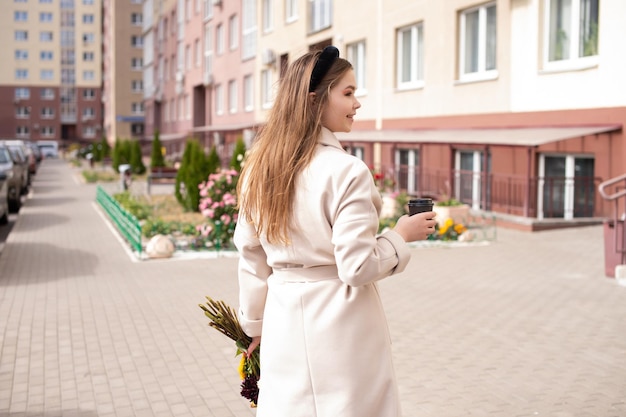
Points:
(225, 218)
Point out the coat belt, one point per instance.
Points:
(311, 274)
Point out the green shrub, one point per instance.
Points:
(138, 209)
(238, 154)
(136, 161)
(156, 157)
(194, 169)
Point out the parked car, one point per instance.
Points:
(27, 154)
(14, 178)
(36, 152)
(17, 148)
(49, 148)
(4, 198)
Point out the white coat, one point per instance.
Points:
(325, 347)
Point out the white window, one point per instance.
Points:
(21, 73)
(45, 17)
(21, 35)
(89, 94)
(47, 131)
(291, 10)
(46, 74)
(410, 60)
(88, 37)
(219, 100)
(187, 57)
(89, 131)
(266, 89)
(136, 41)
(208, 53)
(21, 54)
(22, 131)
(136, 19)
(248, 93)
(45, 55)
(187, 107)
(88, 113)
(208, 9)
(20, 16)
(356, 56)
(232, 96)
(47, 94)
(477, 43)
(88, 56)
(319, 14)
(197, 53)
(136, 63)
(22, 93)
(268, 16)
(249, 29)
(571, 31)
(137, 86)
(89, 75)
(219, 39)
(88, 2)
(233, 32)
(45, 36)
(137, 108)
(88, 18)
(47, 113)
(22, 112)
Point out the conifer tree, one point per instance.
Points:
(156, 158)
(238, 154)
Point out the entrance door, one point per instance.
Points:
(470, 185)
(566, 186)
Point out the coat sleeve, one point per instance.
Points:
(361, 256)
(253, 272)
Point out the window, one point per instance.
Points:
(268, 16)
(477, 51)
(291, 11)
(21, 54)
(219, 100)
(22, 131)
(233, 32)
(22, 112)
(232, 96)
(22, 93)
(356, 55)
(89, 113)
(410, 58)
(88, 56)
(136, 19)
(47, 131)
(89, 75)
(89, 94)
(219, 39)
(319, 14)
(566, 186)
(572, 29)
(137, 108)
(266, 89)
(21, 35)
(89, 131)
(88, 2)
(136, 41)
(136, 129)
(137, 86)
(20, 16)
(88, 18)
(197, 53)
(47, 94)
(248, 93)
(88, 37)
(45, 36)
(46, 74)
(187, 57)
(407, 162)
(45, 55)
(249, 29)
(208, 53)
(136, 63)
(45, 17)
(47, 113)
(21, 74)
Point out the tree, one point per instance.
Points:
(238, 154)
(136, 160)
(194, 169)
(156, 158)
(213, 161)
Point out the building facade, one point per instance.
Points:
(514, 107)
(50, 85)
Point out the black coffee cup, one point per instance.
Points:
(420, 205)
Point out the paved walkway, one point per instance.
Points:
(526, 326)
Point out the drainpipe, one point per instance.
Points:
(379, 81)
(528, 176)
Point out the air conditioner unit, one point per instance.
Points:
(268, 57)
(180, 76)
(158, 96)
(216, 2)
(207, 79)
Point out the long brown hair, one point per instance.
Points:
(284, 147)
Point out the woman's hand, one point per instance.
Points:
(256, 341)
(416, 227)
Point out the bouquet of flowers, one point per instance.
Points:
(224, 319)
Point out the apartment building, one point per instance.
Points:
(199, 74)
(50, 82)
(122, 63)
(515, 107)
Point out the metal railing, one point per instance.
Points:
(614, 190)
(126, 223)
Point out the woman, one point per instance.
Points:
(310, 256)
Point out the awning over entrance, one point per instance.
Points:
(530, 136)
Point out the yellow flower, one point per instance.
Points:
(242, 365)
(447, 225)
(459, 228)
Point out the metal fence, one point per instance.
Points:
(126, 223)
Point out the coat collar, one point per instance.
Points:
(328, 138)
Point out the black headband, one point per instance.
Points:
(323, 64)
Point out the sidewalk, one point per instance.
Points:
(525, 326)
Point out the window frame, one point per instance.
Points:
(417, 65)
(482, 73)
(356, 54)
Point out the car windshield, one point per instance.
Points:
(4, 156)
